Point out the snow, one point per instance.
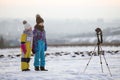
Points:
(63, 64)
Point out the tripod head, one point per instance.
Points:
(99, 35)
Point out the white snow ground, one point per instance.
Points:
(63, 64)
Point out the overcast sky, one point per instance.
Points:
(61, 9)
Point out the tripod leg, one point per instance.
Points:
(89, 59)
(88, 62)
(107, 65)
(99, 53)
(101, 63)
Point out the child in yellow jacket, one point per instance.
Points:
(26, 41)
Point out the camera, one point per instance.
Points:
(99, 35)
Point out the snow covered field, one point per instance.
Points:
(63, 63)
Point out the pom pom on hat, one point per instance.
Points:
(37, 15)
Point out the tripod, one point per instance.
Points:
(99, 51)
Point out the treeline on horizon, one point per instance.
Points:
(4, 45)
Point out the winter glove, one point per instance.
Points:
(33, 48)
(33, 51)
(23, 47)
(45, 47)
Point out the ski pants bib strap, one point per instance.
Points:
(25, 60)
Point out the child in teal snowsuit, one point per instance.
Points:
(39, 45)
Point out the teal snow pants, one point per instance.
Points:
(39, 59)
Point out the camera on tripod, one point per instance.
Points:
(99, 36)
(99, 50)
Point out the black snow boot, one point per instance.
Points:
(43, 69)
(37, 68)
(26, 70)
